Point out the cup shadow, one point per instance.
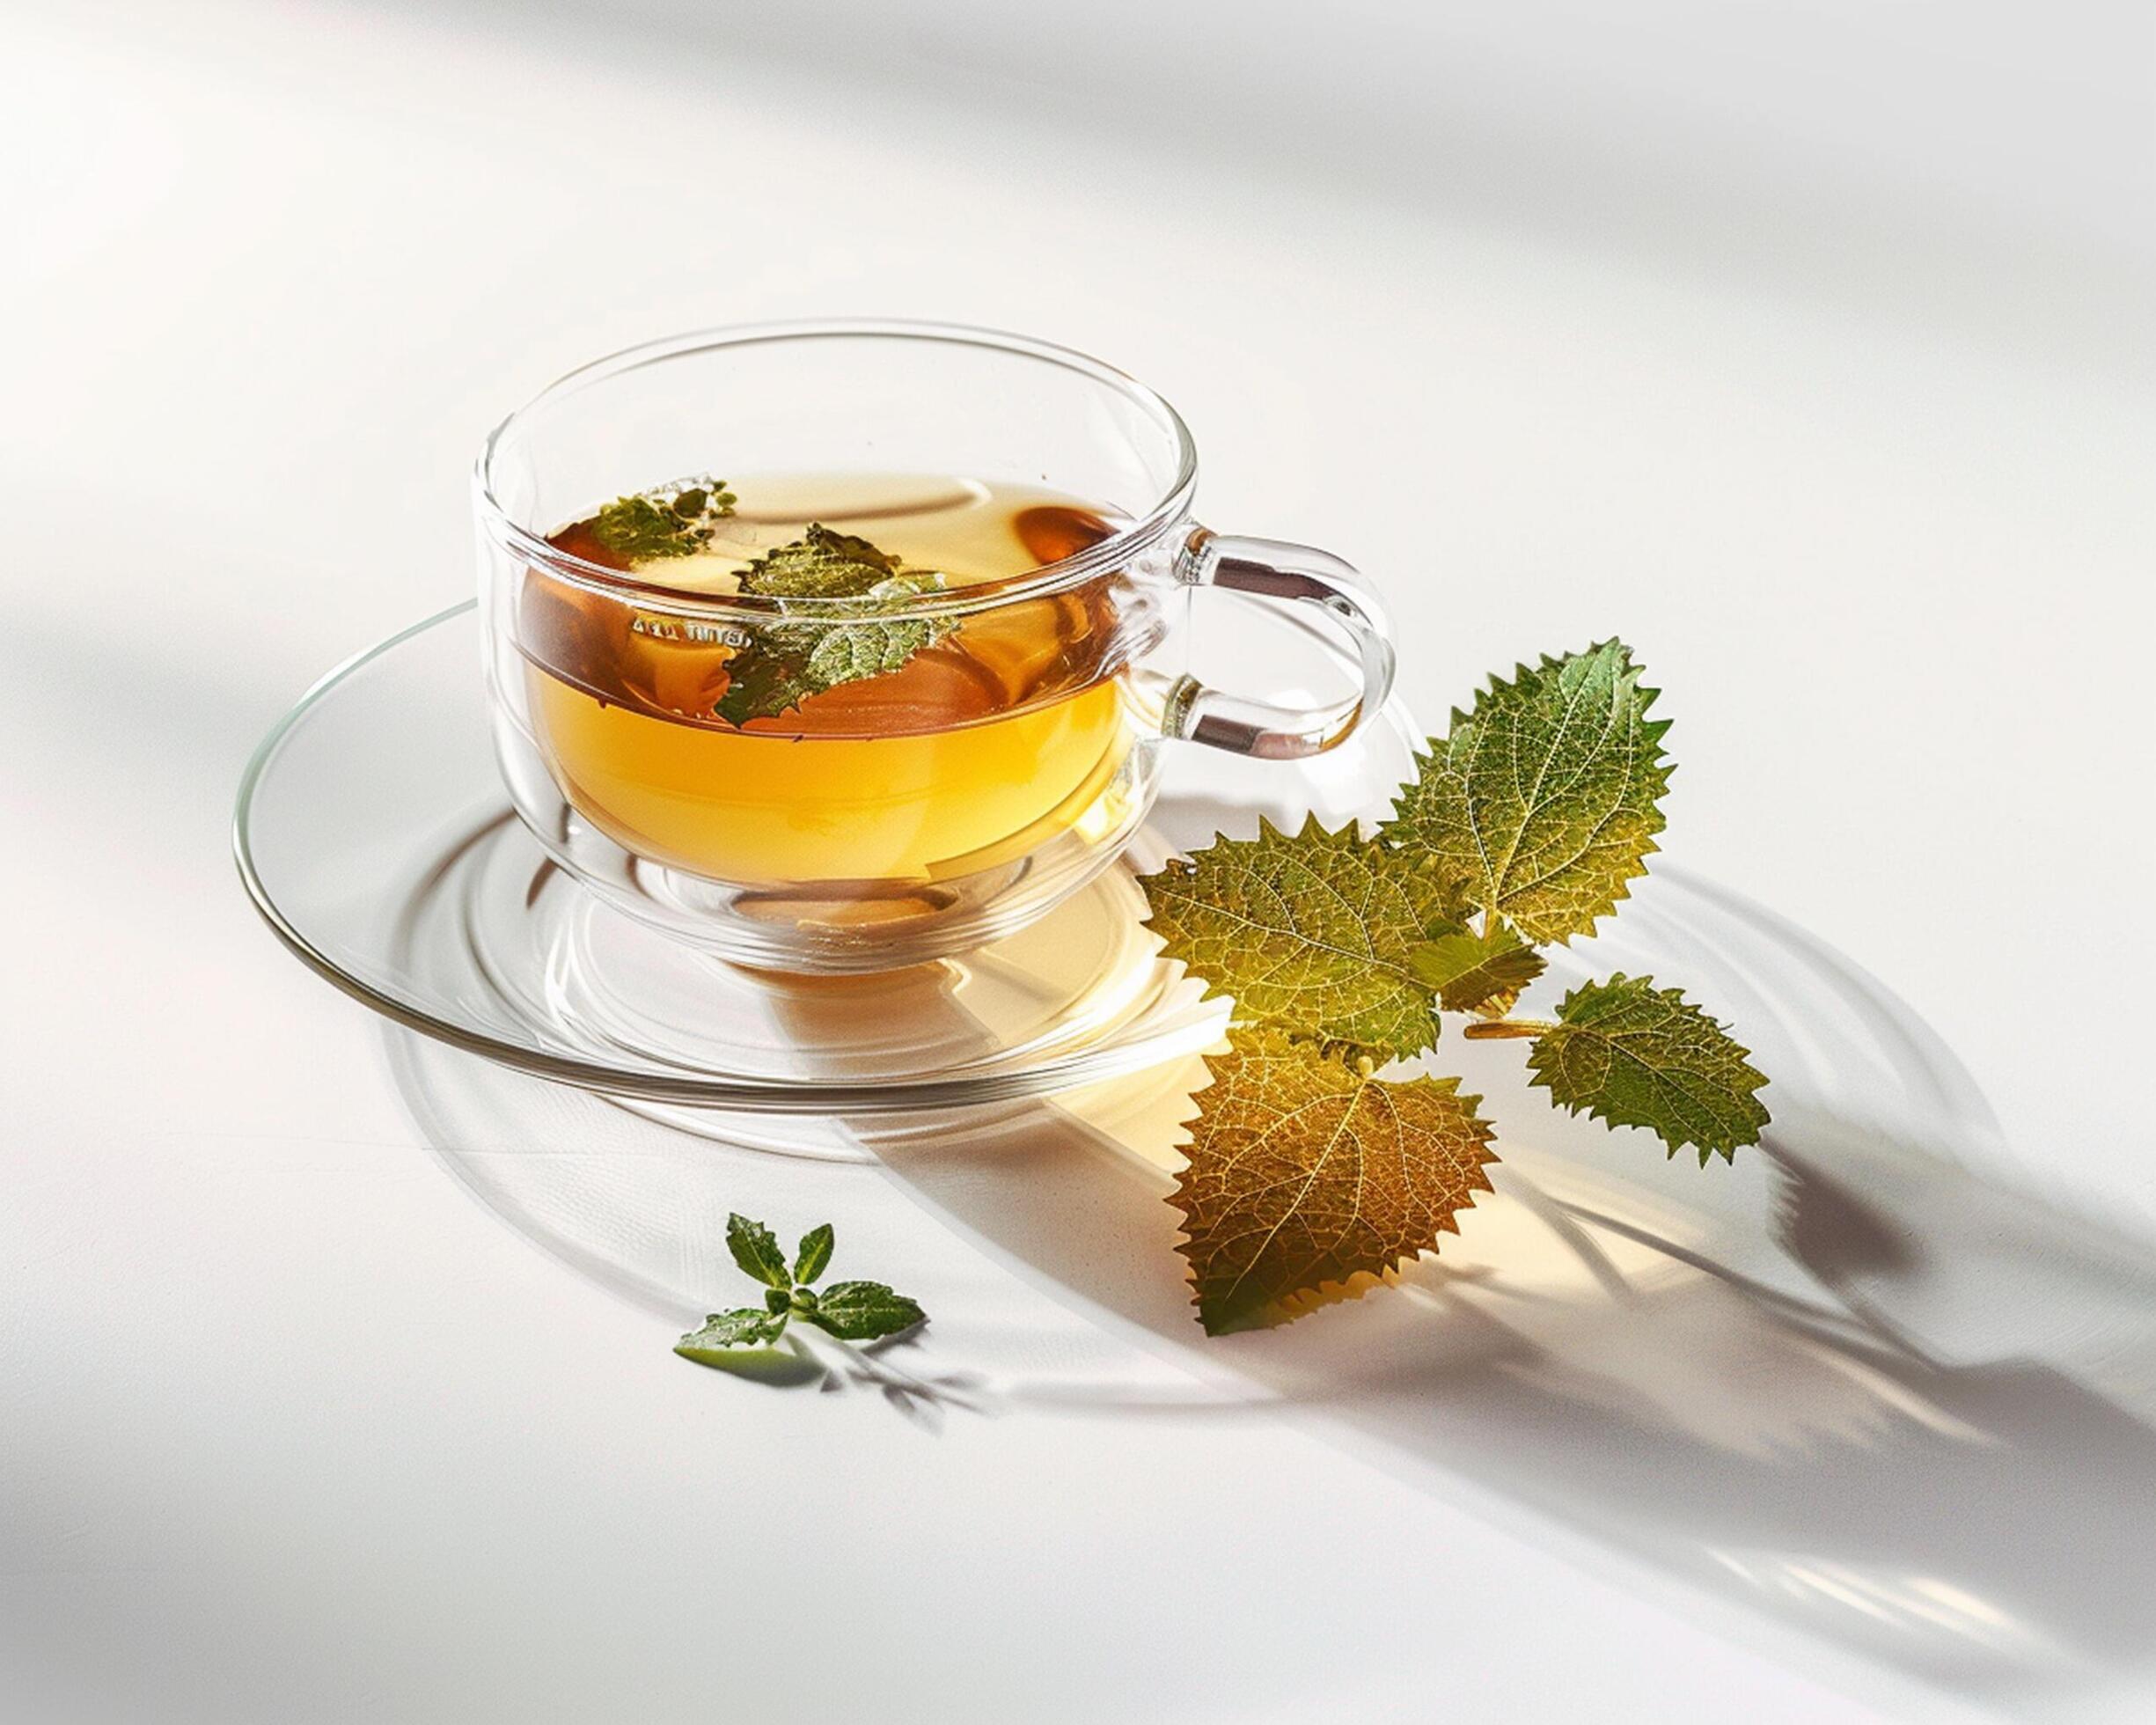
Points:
(1863, 1384)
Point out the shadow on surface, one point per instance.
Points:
(1861, 1382)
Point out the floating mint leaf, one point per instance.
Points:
(1626, 1052)
(861, 1311)
(769, 675)
(755, 1249)
(849, 652)
(1543, 802)
(724, 1331)
(851, 637)
(666, 521)
(1311, 933)
(814, 1257)
(821, 564)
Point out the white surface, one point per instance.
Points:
(1813, 360)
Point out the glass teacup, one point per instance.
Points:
(954, 754)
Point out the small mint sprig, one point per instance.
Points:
(850, 1310)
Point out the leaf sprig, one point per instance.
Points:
(850, 1310)
(1308, 1175)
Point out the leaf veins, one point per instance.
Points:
(1543, 802)
(1311, 933)
(1306, 1174)
(861, 629)
(1482, 972)
(1626, 1052)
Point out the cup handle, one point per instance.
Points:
(1299, 573)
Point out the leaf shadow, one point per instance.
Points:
(1863, 1386)
(1868, 1384)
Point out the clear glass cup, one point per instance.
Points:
(922, 825)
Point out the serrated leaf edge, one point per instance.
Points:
(1707, 1152)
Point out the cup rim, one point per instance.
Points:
(1109, 554)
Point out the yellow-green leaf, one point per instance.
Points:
(814, 1257)
(725, 1330)
(1310, 932)
(1626, 1052)
(1543, 802)
(1306, 1174)
(1477, 972)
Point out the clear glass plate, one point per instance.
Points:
(373, 833)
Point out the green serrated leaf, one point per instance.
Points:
(1477, 972)
(821, 564)
(862, 1312)
(1543, 802)
(814, 1257)
(1626, 1052)
(724, 1331)
(666, 521)
(850, 652)
(1310, 932)
(1306, 1174)
(854, 635)
(755, 1249)
(769, 675)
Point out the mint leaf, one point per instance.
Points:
(857, 633)
(1311, 934)
(726, 1329)
(850, 652)
(768, 676)
(755, 1249)
(850, 1310)
(666, 521)
(861, 1311)
(1626, 1052)
(1471, 973)
(814, 1257)
(1543, 802)
(821, 564)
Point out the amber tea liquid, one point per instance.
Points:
(975, 750)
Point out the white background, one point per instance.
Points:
(1807, 348)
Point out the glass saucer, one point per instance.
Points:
(373, 833)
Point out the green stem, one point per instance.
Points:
(1496, 1030)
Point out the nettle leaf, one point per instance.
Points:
(767, 677)
(821, 564)
(1626, 1052)
(1311, 933)
(814, 1257)
(856, 633)
(861, 1311)
(724, 1331)
(755, 1249)
(1477, 972)
(1306, 1174)
(1543, 802)
(849, 652)
(666, 521)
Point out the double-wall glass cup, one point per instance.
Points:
(951, 799)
